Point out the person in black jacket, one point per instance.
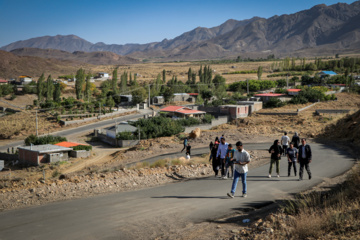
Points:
(275, 151)
(215, 160)
(305, 156)
(296, 140)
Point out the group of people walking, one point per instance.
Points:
(295, 153)
(228, 162)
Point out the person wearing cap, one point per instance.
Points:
(241, 160)
(221, 154)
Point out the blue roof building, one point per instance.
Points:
(325, 73)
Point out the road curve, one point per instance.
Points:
(144, 214)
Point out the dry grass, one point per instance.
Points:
(327, 215)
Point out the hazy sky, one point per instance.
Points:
(131, 21)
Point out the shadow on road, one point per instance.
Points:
(191, 197)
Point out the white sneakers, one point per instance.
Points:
(269, 176)
(278, 175)
(244, 195)
(231, 195)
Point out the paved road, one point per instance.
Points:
(83, 129)
(131, 215)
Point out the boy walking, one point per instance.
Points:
(242, 158)
(229, 162)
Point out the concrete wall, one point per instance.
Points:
(65, 123)
(2, 165)
(80, 154)
(127, 143)
(331, 111)
(214, 122)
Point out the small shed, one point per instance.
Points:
(181, 97)
(37, 154)
(24, 79)
(235, 111)
(114, 130)
(103, 75)
(158, 100)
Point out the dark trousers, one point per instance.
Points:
(289, 168)
(222, 165)
(307, 167)
(284, 150)
(184, 148)
(216, 164)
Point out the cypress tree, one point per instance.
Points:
(80, 79)
(49, 88)
(40, 88)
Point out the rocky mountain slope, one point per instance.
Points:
(329, 28)
(96, 58)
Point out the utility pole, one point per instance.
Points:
(149, 94)
(287, 81)
(139, 132)
(37, 134)
(247, 83)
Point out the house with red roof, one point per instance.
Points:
(3, 81)
(265, 97)
(293, 92)
(182, 112)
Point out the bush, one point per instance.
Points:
(49, 139)
(82, 147)
(207, 118)
(298, 100)
(274, 103)
(126, 136)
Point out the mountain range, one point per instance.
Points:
(321, 30)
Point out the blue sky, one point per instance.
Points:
(141, 21)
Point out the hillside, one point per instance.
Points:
(11, 66)
(321, 30)
(96, 58)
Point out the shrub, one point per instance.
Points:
(126, 136)
(82, 147)
(49, 139)
(274, 103)
(207, 118)
(159, 163)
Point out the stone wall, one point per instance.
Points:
(80, 154)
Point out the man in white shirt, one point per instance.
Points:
(242, 158)
(285, 140)
(221, 154)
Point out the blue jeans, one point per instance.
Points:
(237, 175)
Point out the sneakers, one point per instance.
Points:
(244, 195)
(278, 175)
(224, 177)
(231, 195)
(269, 176)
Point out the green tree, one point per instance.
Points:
(189, 74)
(49, 88)
(259, 72)
(164, 76)
(110, 103)
(168, 93)
(80, 79)
(87, 88)
(40, 88)
(114, 81)
(139, 95)
(57, 93)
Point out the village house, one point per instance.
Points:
(24, 79)
(293, 92)
(326, 73)
(37, 154)
(265, 97)
(122, 127)
(182, 112)
(3, 81)
(75, 153)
